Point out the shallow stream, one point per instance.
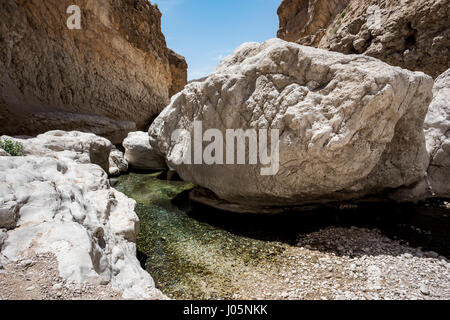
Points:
(195, 252)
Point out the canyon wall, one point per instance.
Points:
(412, 34)
(112, 76)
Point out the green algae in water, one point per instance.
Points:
(189, 259)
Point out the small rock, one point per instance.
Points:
(432, 254)
(57, 286)
(26, 263)
(424, 290)
(30, 288)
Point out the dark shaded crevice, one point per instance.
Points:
(410, 40)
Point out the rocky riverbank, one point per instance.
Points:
(57, 199)
(38, 279)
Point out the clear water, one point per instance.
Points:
(195, 252)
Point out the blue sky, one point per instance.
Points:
(205, 31)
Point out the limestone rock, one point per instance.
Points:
(69, 209)
(139, 154)
(412, 34)
(3, 153)
(178, 69)
(77, 146)
(2, 238)
(111, 77)
(8, 213)
(307, 20)
(437, 134)
(36, 123)
(117, 162)
(349, 126)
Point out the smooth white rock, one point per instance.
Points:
(73, 145)
(139, 154)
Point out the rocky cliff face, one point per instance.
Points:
(307, 20)
(110, 77)
(412, 34)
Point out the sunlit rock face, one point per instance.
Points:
(111, 77)
(140, 155)
(412, 34)
(57, 199)
(69, 209)
(73, 145)
(437, 133)
(349, 126)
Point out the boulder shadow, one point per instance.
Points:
(425, 226)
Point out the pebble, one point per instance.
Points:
(57, 286)
(26, 263)
(432, 254)
(30, 288)
(424, 290)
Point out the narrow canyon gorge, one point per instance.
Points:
(310, 166)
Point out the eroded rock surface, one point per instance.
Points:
(349, 126)
(307, 19)
(111, 77)
(437, 133)
(178, 70)
(76, 146)
(117, 162)
(140, 155)
(70, 210)
(412, 34)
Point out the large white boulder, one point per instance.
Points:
(139, 154)
(73, 145)
(69, 209)
(349, 125)
(437, 134)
